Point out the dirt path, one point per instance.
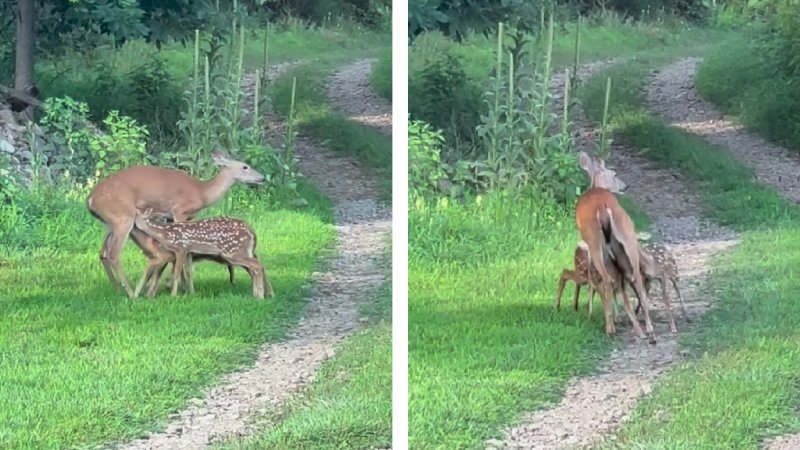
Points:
(283, 369)
(595, 406)
(352, 81)
(672, 95)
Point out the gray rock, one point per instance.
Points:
(6, 147)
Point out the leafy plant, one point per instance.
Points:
(425, 166)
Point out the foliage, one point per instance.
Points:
(456, 18)
(88, 152)
(381, 76)
(426, 170)
(441, 95)
(747, 77)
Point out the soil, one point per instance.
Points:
(594, 407)
(352, 276)
(348, 83)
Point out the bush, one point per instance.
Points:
(747, 79)
(425, 167)
(442, 95)
(381, 77)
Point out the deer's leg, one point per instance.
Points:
(157, 257)
(638, 287)
(230, 273)
(562, 281)
(267, 285)
(674, 281)
(626, 304)
(257, 273)
(605, 297)
(667, 303)
(156, 278)
(112, 250)
(106, 265)
(187, 273)
(576, 298)
(177, 269)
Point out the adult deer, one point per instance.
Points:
(170, 193)
(609, 232)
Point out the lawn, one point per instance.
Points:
(485, 343)
(84, 366)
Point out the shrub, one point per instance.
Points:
(441, 95)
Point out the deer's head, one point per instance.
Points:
(238, 170)
(601, 176)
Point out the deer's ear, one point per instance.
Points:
(586, 161)
(219, 158)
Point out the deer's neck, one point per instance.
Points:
(216, 188)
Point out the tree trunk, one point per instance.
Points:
(26, 43)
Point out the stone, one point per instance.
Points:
(7, 117)
(6, 146)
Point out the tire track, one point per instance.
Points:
(283, 369)
(595, 406)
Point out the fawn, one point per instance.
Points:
(662, 268)
(231, 240)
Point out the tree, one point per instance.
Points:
(26, 43)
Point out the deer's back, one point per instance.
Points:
(144, 187)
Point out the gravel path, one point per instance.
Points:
(593, 407)
(282, 369)
(352, 81)
(673, 95)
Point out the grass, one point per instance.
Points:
(349, 404)
(319, 120)
(381, 78)
(728, 190)
(744, 79)
(739, 385)
(485, 343)
(83, 366)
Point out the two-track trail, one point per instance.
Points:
(673, 91)
(594, 406)
(351, 276)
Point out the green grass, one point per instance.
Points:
(82, 366)
(485, 343)
(381, 78)
(727, 189)
(744, 79)
(741, 385)
(349, 405)
(316, 118)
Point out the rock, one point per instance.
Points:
(6, 147)
(7, 117)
